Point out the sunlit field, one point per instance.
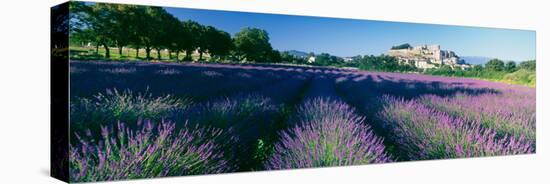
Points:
(150, 119)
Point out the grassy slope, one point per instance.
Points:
(520, 77)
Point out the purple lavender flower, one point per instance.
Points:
(509, 113)
(149, 151)
(425, 133)
(329, 135)
(126, 106)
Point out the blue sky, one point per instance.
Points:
(348, 37)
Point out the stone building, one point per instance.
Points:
(428, 56)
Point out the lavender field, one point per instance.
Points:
(144, 119)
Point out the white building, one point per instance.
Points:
(311, 59)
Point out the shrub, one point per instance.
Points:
(234, 111)
(425, 133)
(247, 117)
(149, 151)
(125, 106)
(329, 135)
(507, 114)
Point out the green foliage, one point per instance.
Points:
(286, 57)
(528, 65)
(274, 57)
(494, 65)
(218, 43)
(522, 76)
(510, 66)
(477, 68)
(494, 70)
(325, 59)
(94, 23)
(252, 44)
(402, 46)
(381, 63)
(263, 151)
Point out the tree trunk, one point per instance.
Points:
(200, 55)
(148, 53)
(97, 49)
(188, 55)
(137, 52)
(177, 55)
(158, 54)
(120, 51)
(107, 54)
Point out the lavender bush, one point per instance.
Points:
(230, 112)
(507, 114)
(126, 106)
(150, 151)
(246, 117)
(329, 135)
(425, 133)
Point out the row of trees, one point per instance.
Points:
(367, 62)
(510, 66)
(495, 69)
(148, 28)
(380, 63)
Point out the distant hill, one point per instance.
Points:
(298, 53)
(476, 60)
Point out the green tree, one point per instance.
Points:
(163, 23)
(219, 43)
(192, 31)
(151, 30)
(325, 59)
(528, 65)
(322, 59)
(252, 44)
(180, 38)
(494, 65)
(122, 21)
(77, 16)
(274, 57)
(173, 31)
(289, 58)
(203, 40)
(477, 68)
(94, 23)
(510, 66)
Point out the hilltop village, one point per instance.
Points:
(427, 56)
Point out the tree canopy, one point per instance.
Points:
(495, 65)
(528, 65)
(252, 44)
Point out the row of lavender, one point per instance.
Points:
(325, 131)
(201, 119)
(428, 117)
